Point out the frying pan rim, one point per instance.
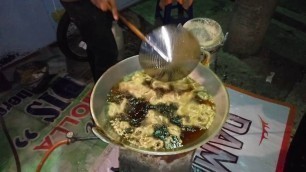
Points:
(164, 152)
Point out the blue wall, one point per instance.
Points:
(25, 26)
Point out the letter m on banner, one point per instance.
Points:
(210, 158)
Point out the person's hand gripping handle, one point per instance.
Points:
(106, 5)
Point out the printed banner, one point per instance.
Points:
(254, 138)
(38, 121)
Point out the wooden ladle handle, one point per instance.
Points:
(130, 25)
(133, 28)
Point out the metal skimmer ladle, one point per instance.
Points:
(168, 53)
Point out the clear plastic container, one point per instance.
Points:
(210, 36)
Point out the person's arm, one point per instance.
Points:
(106, 5)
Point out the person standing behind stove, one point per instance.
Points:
(94, 20)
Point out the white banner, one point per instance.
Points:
(254, 138)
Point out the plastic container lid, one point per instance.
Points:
(207, 31)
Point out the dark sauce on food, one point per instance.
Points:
(189, 136)
(137, 109)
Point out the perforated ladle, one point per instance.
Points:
(168, 53)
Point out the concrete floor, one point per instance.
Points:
(283, 53)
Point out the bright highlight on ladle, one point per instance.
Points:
(179, 58)
(159, 51)
(169, 53)
(166, 36)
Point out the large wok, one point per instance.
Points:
(113, 75)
